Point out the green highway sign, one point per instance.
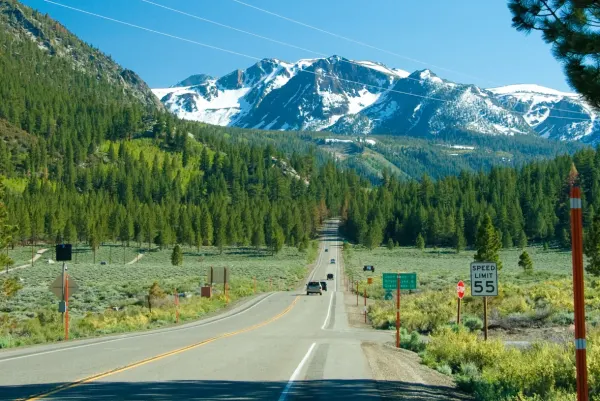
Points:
(408, 281)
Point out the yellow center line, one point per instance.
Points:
(157, 357)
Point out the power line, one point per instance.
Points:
(257, 58)
(289, 44)
(153, 31)
(357, 41)
(260, 36)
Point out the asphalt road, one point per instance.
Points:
(279, 346)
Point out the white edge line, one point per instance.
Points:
(134, 336)
(296, 373)
(328, 312)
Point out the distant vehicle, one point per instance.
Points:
(314, 287)
(332, 261)
(324, 285)
(326, 249)
(330, 276)
(369, 268)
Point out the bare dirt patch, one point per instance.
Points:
(401, 376)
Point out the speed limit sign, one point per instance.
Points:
(484, 279)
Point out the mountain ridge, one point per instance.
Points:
(364, 97)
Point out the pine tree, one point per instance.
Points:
(522, 240)
(507, 241)
(390, 244)
(592, 247)
(525, 262)
(94, 242)
(488, 243)
(571, 27)
(177, 256)
(258, 237)
(420, 242)
(374, 236)
(9, 287)
(155, 293)
(279, 240)
(459, 240)
(5, 230)
(207, 228)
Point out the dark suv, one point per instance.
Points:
(324, 285)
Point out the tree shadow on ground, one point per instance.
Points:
(330, 390)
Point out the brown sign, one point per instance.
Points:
(219, 275)
(57, 287)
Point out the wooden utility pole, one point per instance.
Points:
(578, 294)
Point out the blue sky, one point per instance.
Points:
(473, 38)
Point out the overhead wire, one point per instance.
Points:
(298, 47)
(357, 41)
(317, 73)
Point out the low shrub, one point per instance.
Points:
(473, 323)
(411, 341)
(490, 371)
(444, 369)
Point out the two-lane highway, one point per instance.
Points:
(281, 346)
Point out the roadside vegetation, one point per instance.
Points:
(535, 306)
(113, 297)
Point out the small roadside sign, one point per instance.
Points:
(63, 252)
(57, 286)
(408, 281)
(460, 289)
(484, 279)
(388, 295)
(369, 280)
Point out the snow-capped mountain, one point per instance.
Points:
(363, 97)
(552, 114)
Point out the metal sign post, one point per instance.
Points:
(176, 306)
(460, 290)
(398, 286)
(398, 282)
(484, 283)
(66, 292)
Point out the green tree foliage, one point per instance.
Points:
(6, 231)
(177, 256)
(488, 243)
(592, 247)
(571, 26)
(525, 262)
(390, 244)
(155, 293)
(420, 242)
(9, 287)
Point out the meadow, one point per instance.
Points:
(112, 297)
(534, 304)
(542, 298)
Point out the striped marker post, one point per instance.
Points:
(577, 255)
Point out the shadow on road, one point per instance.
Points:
(331, 390)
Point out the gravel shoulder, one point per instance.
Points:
(401, 376)
(398, 373)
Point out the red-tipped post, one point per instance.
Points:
(578, 296)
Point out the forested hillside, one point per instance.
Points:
(527, 204)
(88, 158)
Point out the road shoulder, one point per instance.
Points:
(401, 376)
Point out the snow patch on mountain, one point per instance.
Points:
(365, 97)
(382, 68)
(530, 89)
